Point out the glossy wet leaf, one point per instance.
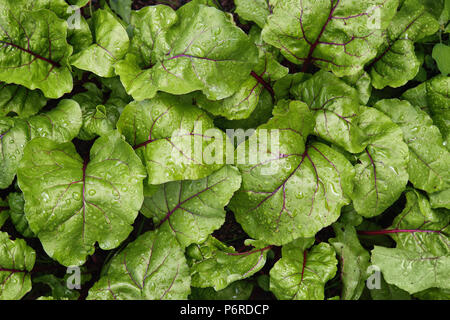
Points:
(152, 267)
(20, 101)
(196, 48)
(381, 171)
(302, 274)
(61, 124)
(110, 45)
(34, 51)
(340, 36)
(72, 203)
(175, 140)
(396, 62)
(422, 256)
(16, 205)
(284, 193)
(192, 210)
(16, 262)
(336, 107)
(214, 264)
(429, 166)
(354, 261)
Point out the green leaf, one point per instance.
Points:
(175, 140)
(428, 168)
(153, 267)
(16, 212)
(361, 81)
(388, 292)
(110, 45)
(99, 116)
(241, 104)
(439, 103)
(239, 290)
(213, 264)
(20, 101)
(441, 53)
(253, 10)
(440, 199)
(302, 274)
(122, 8)
(284, 195)
(422, 256)
(381, 174)
(192, 210)
(354, 260)
(16, 262)
(71, 203)
(260, 115)
(15, 133)
(59, 289)
(396, 62)
(336, 107)
(340, 36)
(34, 50)
(196, 48)
(4, 212)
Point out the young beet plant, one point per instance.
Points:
(294, 149)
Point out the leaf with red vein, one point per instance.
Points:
(174, 139)
(153, 267)
(24, 58)
(193, 209)
(219, 265)
(296, 191)
(337, 35)
(16, 261)
(196, 48)
(381, 174)
(337, 108)
(73, 203)
(302, 274)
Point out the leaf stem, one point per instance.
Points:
(249, 252)
(263, 82)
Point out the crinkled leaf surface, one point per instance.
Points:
(196, 48)
(110, 45)
(302, 274)
(293, 191)
(429, 165)
(153, 267)
(213, 264)
(175, 140)
(61, 124)
(336, 106)
(241, 104)
(71, 203)
(354, 261)
(337, 35)
(421, 259)
(396, 62)
(34, 51)
(16, 262)
(99, 117)
(192, 210)
(381, 172)
(20, 100)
